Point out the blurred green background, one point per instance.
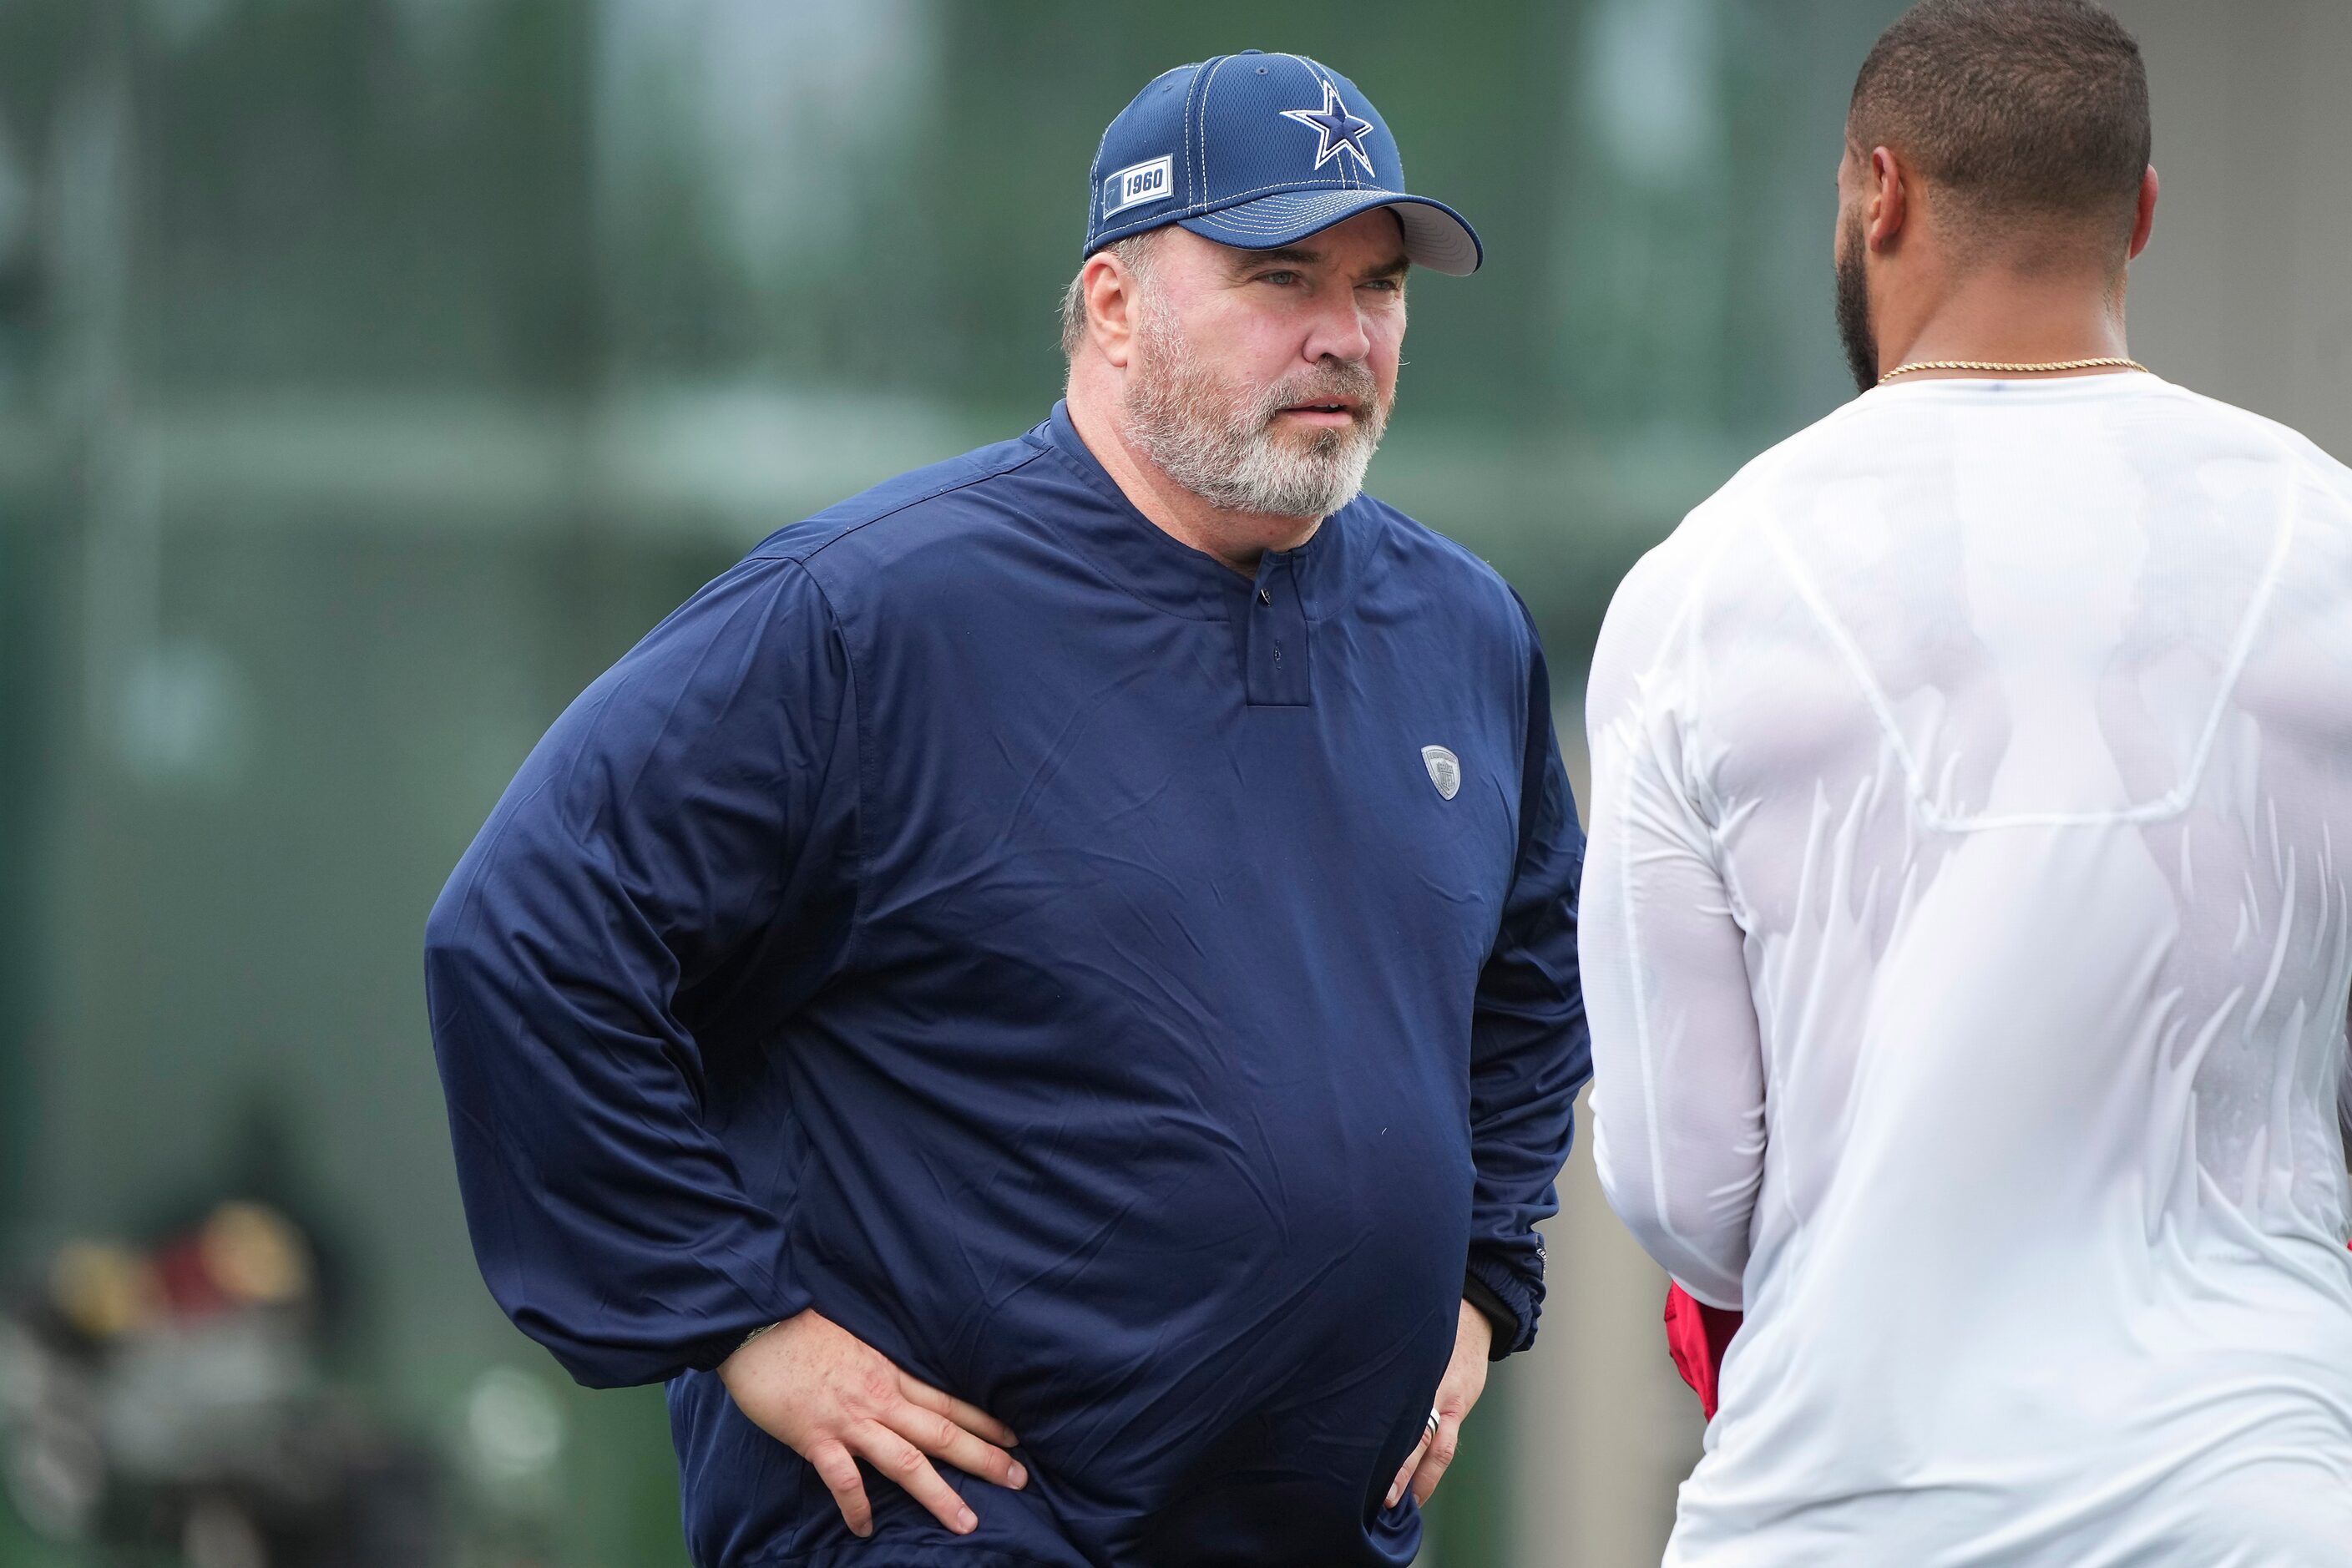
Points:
(373, 372)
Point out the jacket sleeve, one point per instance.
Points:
(1528, 1053)
(1679, 1100)
(682, 839)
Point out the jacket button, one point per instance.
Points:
(1265, 595)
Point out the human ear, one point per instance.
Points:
(2144, 224)
(1888, 199)
(1113, 302)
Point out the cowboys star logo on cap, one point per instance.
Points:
(1219, 147)
(1341, 131)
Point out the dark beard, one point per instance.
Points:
(1853, 312)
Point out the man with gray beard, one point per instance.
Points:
(1079, 941)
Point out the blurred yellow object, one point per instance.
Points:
(103, 1289)
(255, 1256)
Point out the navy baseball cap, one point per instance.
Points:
(1258, 151)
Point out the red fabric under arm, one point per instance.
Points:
(1696, 1337)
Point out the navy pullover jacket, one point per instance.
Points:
(1051, 955)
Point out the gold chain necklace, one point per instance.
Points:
(2013, 369)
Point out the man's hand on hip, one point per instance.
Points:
(1464, 1381)
(833, 1400)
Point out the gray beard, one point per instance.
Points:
(1220, 443)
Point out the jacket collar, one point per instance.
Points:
(1144, 559)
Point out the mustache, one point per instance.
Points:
(1335, 381)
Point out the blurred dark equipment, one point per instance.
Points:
(173, 1398)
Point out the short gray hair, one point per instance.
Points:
(1134, 253)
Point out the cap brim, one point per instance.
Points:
(1435, 236)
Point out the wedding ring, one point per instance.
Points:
(1431, 1430)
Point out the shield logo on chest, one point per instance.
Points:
(1445, 769)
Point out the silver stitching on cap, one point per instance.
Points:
(1205, 127)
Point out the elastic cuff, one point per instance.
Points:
(1520, 1294)
(1498, 1313)
(705, 1353)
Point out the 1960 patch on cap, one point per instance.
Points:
(1149, 181)
(1258, 151)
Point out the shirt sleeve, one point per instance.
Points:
(1528, 1052)
(679, 851)
(1678, 1085)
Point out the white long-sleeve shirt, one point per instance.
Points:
(1967, 937)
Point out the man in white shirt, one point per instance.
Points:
(1968, 923)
